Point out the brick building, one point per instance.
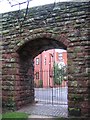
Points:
(43, 66)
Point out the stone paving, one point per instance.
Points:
(46, 110)
(40, 116)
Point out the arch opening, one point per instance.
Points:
(36, 46)
(27, 54)
(50, 76)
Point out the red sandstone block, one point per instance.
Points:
(85, 104)
(15, 55)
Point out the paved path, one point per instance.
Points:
(46, 110)
(38, 116)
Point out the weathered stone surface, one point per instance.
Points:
(64, 26)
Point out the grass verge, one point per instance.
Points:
(14, 116)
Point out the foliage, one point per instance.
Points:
(74, 111)
(76, 97)
(14, 116)
(40, 83)
(59, 74)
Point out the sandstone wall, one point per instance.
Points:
(67, 23)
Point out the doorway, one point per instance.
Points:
(48, 82)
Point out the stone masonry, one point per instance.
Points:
(63, 25)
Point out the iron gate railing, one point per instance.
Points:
(49, 88)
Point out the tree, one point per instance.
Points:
(59, 74)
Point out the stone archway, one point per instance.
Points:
(20, 90)
(26, 54)
(69, 29)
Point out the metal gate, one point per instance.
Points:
(51, 87)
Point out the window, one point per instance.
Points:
(37, 61)
(60, 57)
(60, 54)
(45, 61)
(37, 75)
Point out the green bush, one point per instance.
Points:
(41, 83)
(14, 116)
(74, 111)
(59, 74)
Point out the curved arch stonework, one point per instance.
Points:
(66, 26)
(60, 38)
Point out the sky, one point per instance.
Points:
(5, 6)
(60, 50)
